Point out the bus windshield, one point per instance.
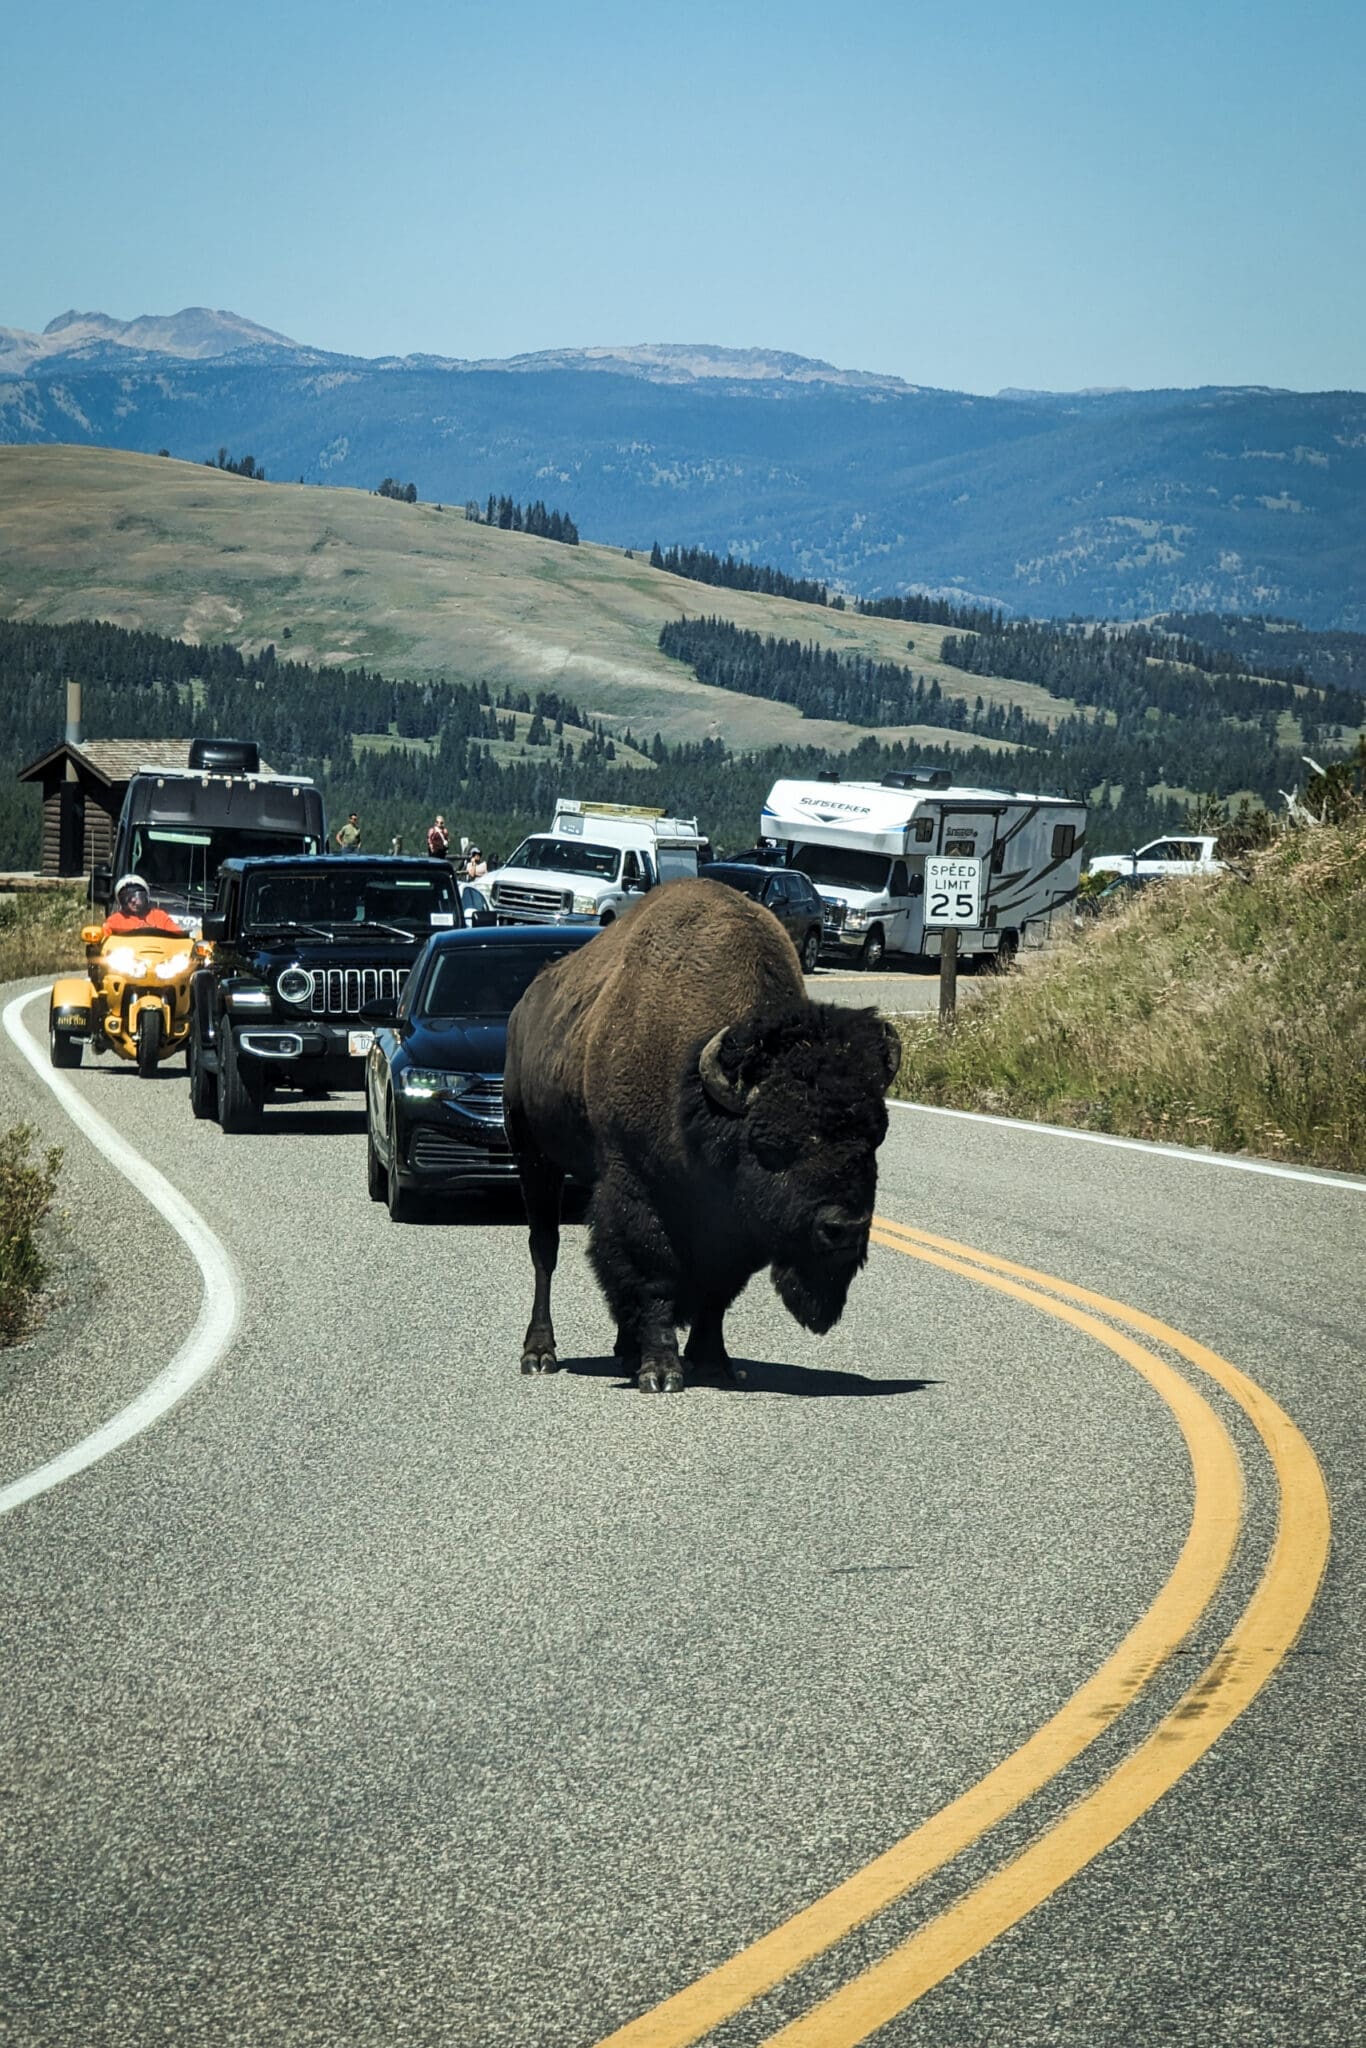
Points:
(841, 867)
(183, 861)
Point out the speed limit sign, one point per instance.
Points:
(953, 892)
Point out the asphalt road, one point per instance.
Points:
(376, 1694)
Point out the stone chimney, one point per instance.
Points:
(73, 714)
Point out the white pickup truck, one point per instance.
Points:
(1193, 854)
(593, 863)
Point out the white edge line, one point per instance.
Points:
(219, 1310)
(1187, 1155)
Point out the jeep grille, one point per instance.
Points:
(344, 991)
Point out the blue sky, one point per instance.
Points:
(972, 196)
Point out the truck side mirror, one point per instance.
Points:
(214, 926)
(101, 882)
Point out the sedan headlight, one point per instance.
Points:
(169, 970)
(296, 985)
(423, 1084)
(125, 961)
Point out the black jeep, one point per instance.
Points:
(301, 944)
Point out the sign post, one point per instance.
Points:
(953, 903)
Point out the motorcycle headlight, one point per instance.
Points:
(125, 961)
(169, 970)
(296, 985)
(423, 1084)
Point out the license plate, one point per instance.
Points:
(358, 1043)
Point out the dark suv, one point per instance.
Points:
(791, 897)
(300, 946)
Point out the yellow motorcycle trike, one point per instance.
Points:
(134, 997)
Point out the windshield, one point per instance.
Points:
(480, 981)
(677, 863)
(183, 862)
(345, 892)
(841, 867)
(567, 857)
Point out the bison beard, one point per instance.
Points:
(816, 1297)
(734, 1125)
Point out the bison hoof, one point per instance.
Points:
(660, 1379)
(540, 1361)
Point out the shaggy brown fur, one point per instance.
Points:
(697, 1184)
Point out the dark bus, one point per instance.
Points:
(178, 825)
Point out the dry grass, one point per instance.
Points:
(177, 548)
(1228, 1013)
(27, 1188)
(40, 933)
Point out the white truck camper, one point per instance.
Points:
(593, 863)
(864, 844)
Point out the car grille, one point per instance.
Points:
(436, 1151)
(531, 906)
(484, 1099)
(834, 915)
(344, 991)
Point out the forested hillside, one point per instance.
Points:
(1276, 646)
(495, 761)
(824, 684)
(1150, 726)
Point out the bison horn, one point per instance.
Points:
(724, 1092)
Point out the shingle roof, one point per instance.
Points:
(119, 760)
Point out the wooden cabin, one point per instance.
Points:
(83, 784)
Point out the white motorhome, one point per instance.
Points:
(593, 863)
(864, 844)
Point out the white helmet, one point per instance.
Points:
(129, 882)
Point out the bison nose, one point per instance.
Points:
(840, 1230)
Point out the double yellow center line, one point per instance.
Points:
(1258, 1642)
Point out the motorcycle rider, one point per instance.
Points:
(135, 910)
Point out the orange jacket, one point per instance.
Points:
(155, 921)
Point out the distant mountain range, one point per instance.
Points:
(1111, 503)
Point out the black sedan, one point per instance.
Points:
(434, 1074)
(790, 895)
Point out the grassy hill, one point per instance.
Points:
(1114, 505)
(344, 577)
(1228, 1013)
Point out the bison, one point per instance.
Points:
(725, 1122)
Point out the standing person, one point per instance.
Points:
(348, 835)
(438, 838)
(476, 867)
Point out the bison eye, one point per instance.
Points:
(777, 1149)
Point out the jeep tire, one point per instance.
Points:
(239, 1101)
(203, 1084)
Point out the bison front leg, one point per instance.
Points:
(638, 1272)
(542, 1186)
